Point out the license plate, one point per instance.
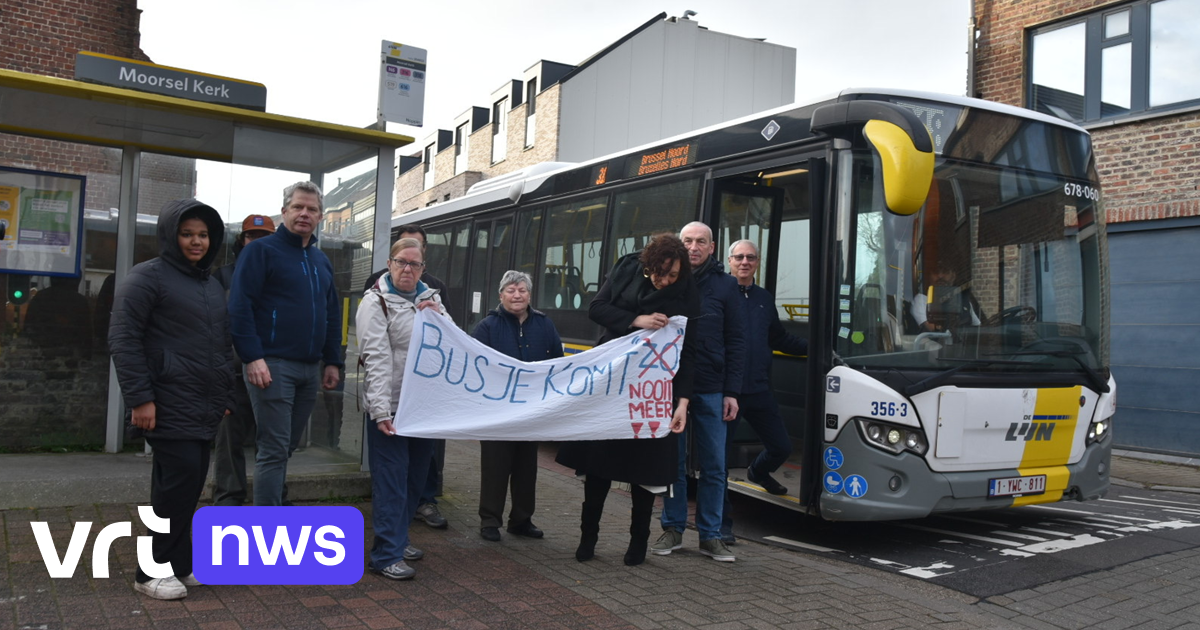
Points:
(1016, 486)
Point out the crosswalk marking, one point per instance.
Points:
(948, 532)
(796, 543)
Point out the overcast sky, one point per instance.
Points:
(320, 59)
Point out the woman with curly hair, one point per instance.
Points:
(643, 291)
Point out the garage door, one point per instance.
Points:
(1156, 335)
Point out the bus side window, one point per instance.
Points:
(571, 261)
(640, 213)
(529, 231)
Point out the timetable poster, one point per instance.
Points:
(42, 215)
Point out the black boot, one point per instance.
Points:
(595, 491)
(639, 526)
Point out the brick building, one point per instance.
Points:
(1126, 71)
(667, 77)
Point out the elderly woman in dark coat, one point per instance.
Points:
(643, 290)
(517, 330)
(169, 340)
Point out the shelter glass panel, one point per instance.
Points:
(53, 344)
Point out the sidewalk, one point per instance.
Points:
(465, 582)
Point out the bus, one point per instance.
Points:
(944, 256)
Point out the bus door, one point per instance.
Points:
(771, 206)
(491, 250)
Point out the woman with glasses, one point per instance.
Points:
(399, 464)
(517, 330)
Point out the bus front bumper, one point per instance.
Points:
(902, 486)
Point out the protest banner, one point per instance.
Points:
(457, 388)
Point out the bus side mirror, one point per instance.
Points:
(902, 143)
(907, 171)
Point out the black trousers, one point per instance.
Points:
(505, 465)
(595, 493)
(229, 460)
(176, 481)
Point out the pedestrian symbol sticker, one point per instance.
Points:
(833, 482)
(833, 458)
(856, 486)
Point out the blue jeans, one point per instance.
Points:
(762, 412)
(707, 432)
(281, 412)
(399, 466)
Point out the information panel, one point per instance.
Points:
(42, 215)
(661, 159)
(402, 78)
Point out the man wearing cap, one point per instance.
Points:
(285, 319)
(229, 458)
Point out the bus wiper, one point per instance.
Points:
(938, 379)
(1094, 377)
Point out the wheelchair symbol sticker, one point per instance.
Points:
(834, 458)
(856, 486)
(833, 482)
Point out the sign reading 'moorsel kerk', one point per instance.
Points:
(149, 77)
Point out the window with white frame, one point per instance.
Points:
(462, 135)
(530, 112)
(427, 158)
(499, 130)
(1128, 59)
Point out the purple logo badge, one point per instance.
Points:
(278, 545)
(391, 69)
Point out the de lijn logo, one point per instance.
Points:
(234, 545)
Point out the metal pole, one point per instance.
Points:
(131, 165)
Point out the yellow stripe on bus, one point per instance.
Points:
(1057, 407)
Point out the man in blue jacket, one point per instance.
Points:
(718, 381)
(285, 320)
(764, 334)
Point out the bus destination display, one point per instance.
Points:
(660, 160)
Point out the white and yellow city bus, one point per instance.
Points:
(944, 256)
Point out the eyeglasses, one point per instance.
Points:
(739, 257)
(405, 263)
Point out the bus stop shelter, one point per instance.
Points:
(121, 142)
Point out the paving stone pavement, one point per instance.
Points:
(465, 582)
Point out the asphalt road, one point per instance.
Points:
(994, 552)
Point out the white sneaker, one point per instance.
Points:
(189, 580)
(162, 588)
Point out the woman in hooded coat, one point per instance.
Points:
(169, 340)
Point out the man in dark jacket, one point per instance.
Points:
(764, 334)
(229, 455)
(285, 320)
(718, 381)
(519, 331)
(427, 509)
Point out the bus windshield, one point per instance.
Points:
(1000, 271)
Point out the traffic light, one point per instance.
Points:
(18, 289)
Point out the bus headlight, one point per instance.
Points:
(1098, 430)
(892, 438)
